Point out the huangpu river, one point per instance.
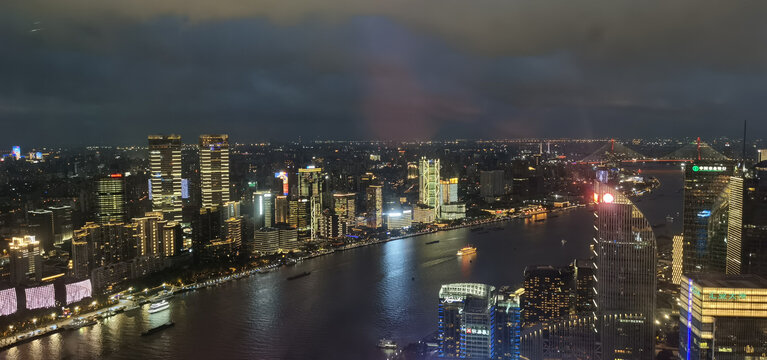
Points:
(351, 299)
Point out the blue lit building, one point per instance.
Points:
(475, 321)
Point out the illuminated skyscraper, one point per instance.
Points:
(547, 296)
(722, 317)
(214, 169)
(761, 155)
(449, 190)
(41, 226)
(165, 175)
(374, 205)
(345, 207)
(62, 223)
(705, 216)
(263, 209)
(677, 259)
(26, 261)
(234, 230)
(281, 209)
(155, 236)
(429, 189)
(466, 320)
(110, 199)
(625, 267)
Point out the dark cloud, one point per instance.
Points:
(111, 72)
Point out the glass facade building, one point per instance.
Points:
(723, 317)
(625, 265)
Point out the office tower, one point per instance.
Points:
(281, 209)
(677, 259)
(26, 260)
(266, 241)
(283, 176)
(734, 231)
(754, 232)
(374, 205)
(231, 209)
(722, 317)
(491, 183)
(165, 175)
(207, 228)
(429, 190)
(449, 190)
(270, 240)
(80, 256)
(582, 287)
(506, 325)
(62, 223)
(625, 266)
(398, 219)
(311, 181)
(110, 199)
(214, 169)
(465, 320)
(331, 226)
(454, 211)
(41, 226)
(547, 296)
(705, 216)
(234, 230)
(761, 155)
(423, 214)
(345, 207)
(299, 213)
(412, 171)
(263, 209)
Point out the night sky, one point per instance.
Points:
(112, 71)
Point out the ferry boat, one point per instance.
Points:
(158, 328)
(387, 344)
(468, 250)
(158, 306)
(299, 275)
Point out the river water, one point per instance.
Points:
(350, 300)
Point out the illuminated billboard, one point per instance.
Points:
(284, 177)
(8, 303)
(16, 152)
(40, 297)
(78, 291)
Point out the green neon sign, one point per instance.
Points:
(707, 168)
(720, 296)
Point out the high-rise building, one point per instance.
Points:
(234, 230)
(110, 199)
(270, 240)
(677, 259)
(374, 205)
(207, 227)
(63, 228)
(465, 325)
(231, 209)
(734, 239)
(26, 260)
(412, 171)
(582, 287)
(95, 245)
(761, 155)
(165, 175)
(429, 189)
(263, 209)
(155, 236)
(345, 207)
(299, 214)
(754, 232)
(281, 209)
(41, 226)
(214, 169)
(398, 219)
(507, 327)
(705, 216)
(547, 295)
(722, 317)
(449, 190)
(625, 276)
(491, 183)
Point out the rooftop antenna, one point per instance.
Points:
(744, 145)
